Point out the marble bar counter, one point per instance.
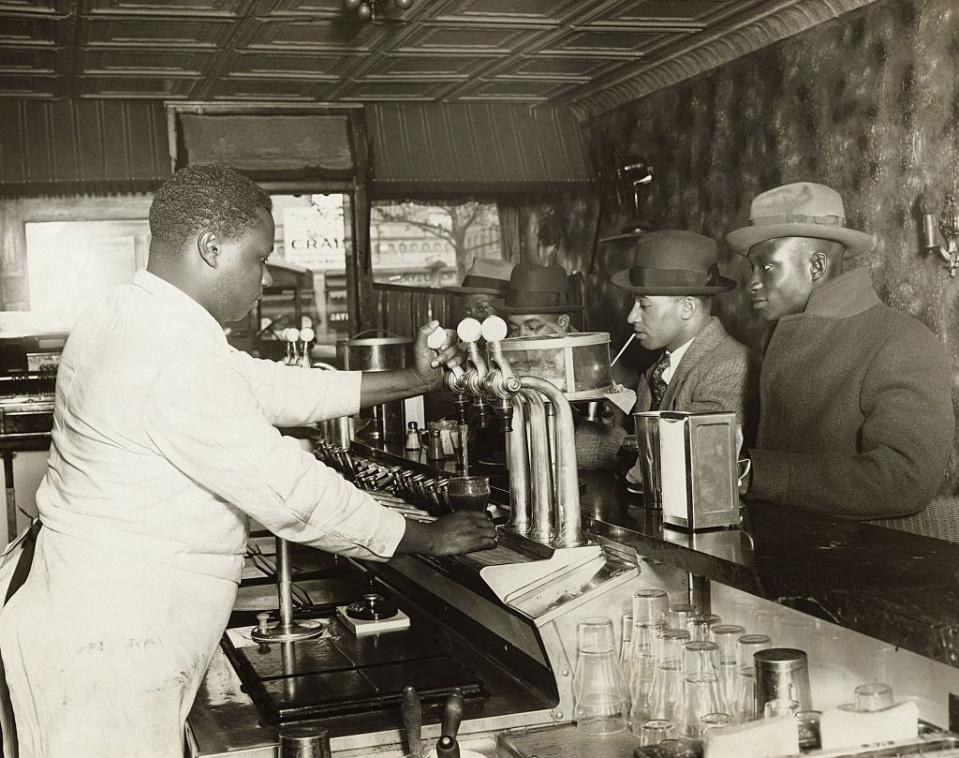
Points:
(897, 587)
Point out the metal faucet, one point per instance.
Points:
(555, 516)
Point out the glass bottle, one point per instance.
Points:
(666, 690)
(748, 645)
(700, 686)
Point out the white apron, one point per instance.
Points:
(123, 644)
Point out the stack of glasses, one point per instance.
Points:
(676, 675)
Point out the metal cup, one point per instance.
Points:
(304, 742)
(782, 673)
(647, 443)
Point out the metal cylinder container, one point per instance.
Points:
(782, 673)
(304, 742)
(377, 354)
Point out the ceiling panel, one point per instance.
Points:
(396, 90)
(28, 60)
(206, 8)
(280, 67)
(193, 63)
(405, 66)
(33, 6)
(512, 89)
(32, 31)
(32, 86)
(584, 53)
(464, 39)
(545, 13)
(154, 87)
(313, 35)
(153, 32)
(266, 89)
(603, 44)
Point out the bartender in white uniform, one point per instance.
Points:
(164, 446)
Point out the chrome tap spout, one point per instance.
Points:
(569, 523)
(541, 528)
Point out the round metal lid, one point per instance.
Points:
(780, 658)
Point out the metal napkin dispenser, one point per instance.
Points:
(699, 472)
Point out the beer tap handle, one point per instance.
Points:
(439, 340)
(470, 331)
(494, 332)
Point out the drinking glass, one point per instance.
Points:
(749, 645)
(700, 685)
(666, 689)
(626, 646)
(700, 626)
(650, 607)
(713, 721)
(468, 493)
(809, 737)
(679, 615)
(599, 694)
(874, 696)
(655, 731)
(780, 707)
(726, 637)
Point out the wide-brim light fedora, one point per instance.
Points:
(673, 262)
(537, 289)
(802, 209)
(487, 276)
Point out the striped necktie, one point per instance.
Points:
(658, 385)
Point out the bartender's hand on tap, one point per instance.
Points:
(428, 362)
(455, 534)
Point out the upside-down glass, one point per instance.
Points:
(679, 615)
(713, 721)
(649, 617)
(666, 691)
(599, 693)
(655, 731)
(700, 627)
(701, 690)
(749, 645)
(726, 637)
(874, 696)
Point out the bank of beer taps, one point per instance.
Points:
(538, 423)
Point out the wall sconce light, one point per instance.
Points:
(366, 10)
(948, 228)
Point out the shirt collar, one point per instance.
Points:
(186, 308)
(677, 355)
(847, 295)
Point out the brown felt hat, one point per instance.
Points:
(802, 209)
(538, 289)
(673, 262)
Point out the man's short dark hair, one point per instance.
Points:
(204, 196)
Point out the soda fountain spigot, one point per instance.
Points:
(501, 383)
(439, 340)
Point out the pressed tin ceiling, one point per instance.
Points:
(590, 54)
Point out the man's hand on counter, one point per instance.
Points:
(455, 534)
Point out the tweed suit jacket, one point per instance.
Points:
(717, 373)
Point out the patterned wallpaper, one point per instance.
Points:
(868, 104)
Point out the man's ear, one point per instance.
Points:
(818, 265)
(687, 307)
(208, 246)
(563, 320)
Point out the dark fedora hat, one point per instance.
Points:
(487, 276)
(673, 262)
(538, 289)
